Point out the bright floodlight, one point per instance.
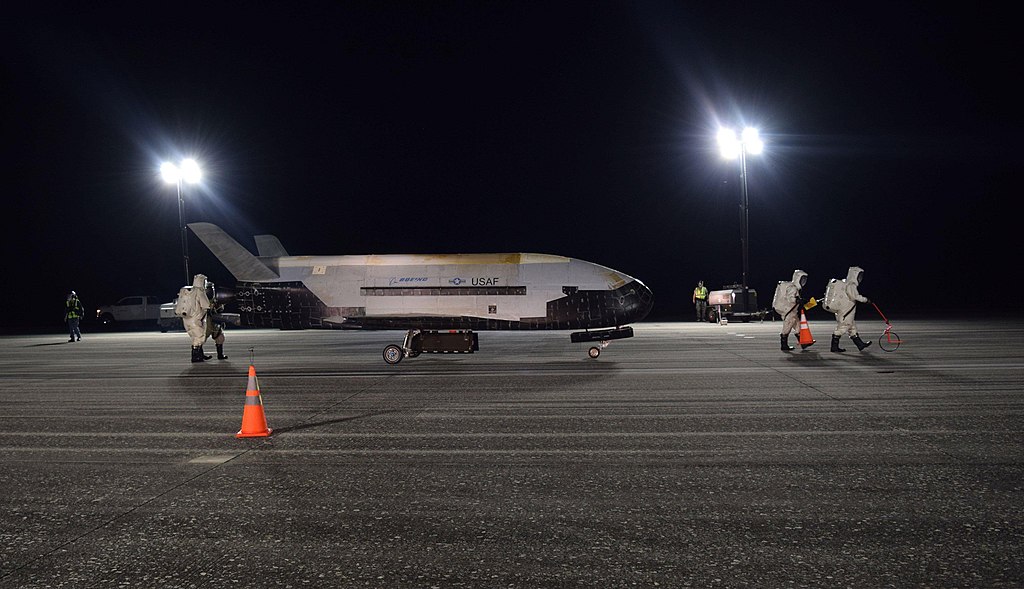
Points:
(170, 173)
(728, 143)
(752, 141)
(190, 171)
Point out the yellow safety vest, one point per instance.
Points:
(74, 309)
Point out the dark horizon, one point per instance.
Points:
(490, 127)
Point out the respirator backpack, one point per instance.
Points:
(835, 296)
(185, 303)
(779, 303)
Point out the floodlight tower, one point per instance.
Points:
(732, 147)
(189, 172)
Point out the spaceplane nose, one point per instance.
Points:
(637, 301)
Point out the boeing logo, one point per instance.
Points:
(407, 280)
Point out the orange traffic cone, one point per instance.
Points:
(254, 423)
(806, 340)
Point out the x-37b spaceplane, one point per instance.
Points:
(441, 300)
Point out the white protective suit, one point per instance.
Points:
(844, 303)
(786, 302)
(192, 306)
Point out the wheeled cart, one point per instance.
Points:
(432, 342)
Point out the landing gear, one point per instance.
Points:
(602, 337)
(432, 342)
(595, 351)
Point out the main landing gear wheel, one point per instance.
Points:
(393, 354)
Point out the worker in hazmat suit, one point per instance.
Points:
(787, 303)
(841, 298)
(215, 322)
(192, 306)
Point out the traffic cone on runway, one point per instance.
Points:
(806, 340)
(254, 422)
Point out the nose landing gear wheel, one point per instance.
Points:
(594, 352)
(393, 354)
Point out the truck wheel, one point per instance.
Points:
(107, 321)
(393, 354)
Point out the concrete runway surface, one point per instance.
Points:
(693, 455)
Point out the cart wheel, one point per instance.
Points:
(712, 316)
(393, 354)
(594, 352)
(889, 341)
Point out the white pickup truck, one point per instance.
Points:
(133, 311)
(168, 320)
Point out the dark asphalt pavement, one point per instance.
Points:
(692, 455)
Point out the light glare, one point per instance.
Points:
(752, 141)
(190, 171)
(728, 143)
(731, 146)
(170, 173)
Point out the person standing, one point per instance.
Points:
(841, 298)
(700, 301)
(787, 303)
(73, 313)
(215, 325)
(192, 305)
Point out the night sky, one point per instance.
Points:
(585, 129)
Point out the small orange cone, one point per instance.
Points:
(806, 340)
(254, 422)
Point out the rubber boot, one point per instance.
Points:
(835, 344)
(197, 354)
(861, 344)
(204, 354)
(785, 343)
(220, 352)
